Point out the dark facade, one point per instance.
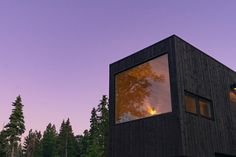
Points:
(179, 132)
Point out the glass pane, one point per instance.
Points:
(143, 91)
(205, 108)
(190, 104)
(232, 96)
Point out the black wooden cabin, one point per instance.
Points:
(171, 99)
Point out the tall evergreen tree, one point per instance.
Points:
(16, 127)
(29, 144)
(66, 143)
(103, 118)
(49, 141)
(38, 144)
(94, 143)
(83, 144)
(94, 147)
(19, 151)
(93, 124)
(3, 144)
(32, 144)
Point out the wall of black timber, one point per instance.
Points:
(200, 74)
(158, 136)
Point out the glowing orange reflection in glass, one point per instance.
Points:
(232, 96)
(143, 91)
(151, 110)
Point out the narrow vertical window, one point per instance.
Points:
(205, 108)
(190, 103)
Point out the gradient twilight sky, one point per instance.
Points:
(56, 53)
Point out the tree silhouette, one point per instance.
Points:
(66, 141)
(49, 141)
(32, 144)
(16, 127)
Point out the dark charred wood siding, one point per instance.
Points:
(148, 137)
(202, 75)
(178, 133)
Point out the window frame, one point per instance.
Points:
(193, 96)
(133, 66)
(209, 102)
(197, 100)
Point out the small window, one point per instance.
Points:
(190, 104)
(205, 108)
(198, 105)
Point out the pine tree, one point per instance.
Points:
(103, 127)
(94, 147)
(3, 144)
(16, 127)
(66, 142)
(32, 144)
(61, 140)
(84, 143)
(19, 151)
(29, 144)
(94, 143)
(38, 144)
(93, 124)
(49, 141)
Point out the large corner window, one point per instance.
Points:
(143, 91)
(198, 105)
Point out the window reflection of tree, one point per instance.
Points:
(132, 87)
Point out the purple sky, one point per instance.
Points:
(56, 53)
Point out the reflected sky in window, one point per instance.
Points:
(143, 91)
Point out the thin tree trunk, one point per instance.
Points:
(66, 144)
(12, 151)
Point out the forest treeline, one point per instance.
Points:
(50, 143)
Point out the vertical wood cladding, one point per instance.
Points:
(178, 133)
(202, 75)
(152, 136)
